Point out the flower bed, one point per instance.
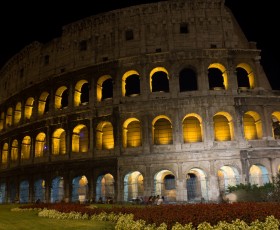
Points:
(172, 214)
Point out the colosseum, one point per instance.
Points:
(165, 98)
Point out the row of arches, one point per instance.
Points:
(162, 134)
(159, 78)
(196, 186)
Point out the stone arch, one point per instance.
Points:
(165, 185)
(43, 103)
(105, 187)
(132, 133)
(4, 155)
(14, 151)
(223, 126)
(245, 76)
(258, 175)
(196, 184)
(40, 144)
(104, 135)
(192, 128)
(24, 192)
(104, 89)
(59, 142)
(17, 115)
(252, 125)
(80, 139)
(57, 189)
(159, 80)
(28, 108)
(39, 190)
(275, 117)
(3, 191)
(2, 121)
(131, 83)
(217, 77)
(79, 189)
(81, 94)
(133, 185)
(9, 117)
(26, 148)
(228, 176)
(162, 130)
(61, 97)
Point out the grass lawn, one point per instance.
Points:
(29, 220)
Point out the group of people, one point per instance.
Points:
(156, 200)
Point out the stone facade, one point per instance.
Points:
(106, 109)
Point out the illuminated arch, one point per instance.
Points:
(81, 96)
(223, 126)
(2, 119)
(104, 136)
(28, 107)
(24, 192)
(5, 151)
(162, 130)
(228, 176)
(258, 175)
(79, 189)
(105, 187)
(163, 80)
(165, 185)
(192, 128)
(9, 116)
(26, 148)
(57, 190)
(252, 125)
(59, 142)
(250, 74)
(132, 134)
(212, 82)
(133, 185)
(133, 88)
(17, 115)
(275, 117)
(43, 103)
(40, 144)
(14, 151)
(61, 98)
(196, 185)
(80, 139)
(100, 88)
(39, 190)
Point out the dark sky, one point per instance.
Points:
(22, 23)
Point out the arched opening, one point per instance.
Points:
(40, 144)
(227, 176)
(192, 130)
(80, 139)
(104, 136)
(14, 152)
(223, 127)
(43, 103)
(3, 192)
(4, 155)
(187, 80)
(131, 84)
(2, 119)
(133, 186)
(24, 192)
(39, 190)
(81, 94)
(162, 131)
(59, 142)
(132, 134)
(105, 191)
(165, 185)
(217, 77)
(61, 98)
(79, 189)
(245, 76)
(26, 148)
(9, 117)
(275, 117)
(57, 190)
(252, 126)
(159, 80)
(196, 185)
(17, 115)
(258, 175)
(28, 108)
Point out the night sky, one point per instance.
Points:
(22, 23)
